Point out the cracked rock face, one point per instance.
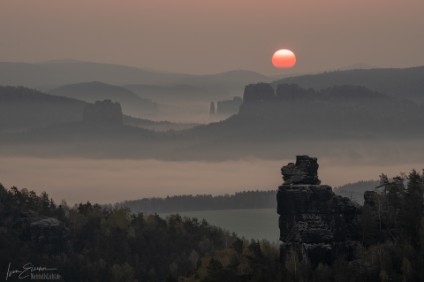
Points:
(313, 220)
(304, 171)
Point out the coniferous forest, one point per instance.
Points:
(180, 203)
(89, 242)
(94, 243)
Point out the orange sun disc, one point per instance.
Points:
(284, 58)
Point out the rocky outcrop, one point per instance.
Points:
(104, 112)
(229, 107)
(304, 171)
(50, 234)
(226, 107)
(313, 221)
(258, 92)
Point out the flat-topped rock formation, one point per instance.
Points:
(313, 221)
(105, 112)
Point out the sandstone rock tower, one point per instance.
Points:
(103, 112)
(314, 223)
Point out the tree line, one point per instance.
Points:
(241, 200)
(98, 243)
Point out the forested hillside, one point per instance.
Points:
(89, 242)
(241, 200)
(92, 243)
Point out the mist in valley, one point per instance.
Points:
(114, 180)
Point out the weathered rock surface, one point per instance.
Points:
(313, 220)
(106, 112)
(304, 171)
(50, 234)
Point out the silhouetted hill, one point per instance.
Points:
(83, 139)
(183, 97)
(23, 109)
(53, 74)
(355, 191)
(94, 91)
(292, 112)
(338, 121)
(405, 83)
(56, 73)
(358, 66)
(342, 120)
(241, 200)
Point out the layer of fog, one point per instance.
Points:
(183, 112)
(110, 181)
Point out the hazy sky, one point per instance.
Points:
(211, 36)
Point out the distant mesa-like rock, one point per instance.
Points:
(229, 106)
(258, 92)
(104, 112)
(293, 92)
(226, 107)
(313, 221)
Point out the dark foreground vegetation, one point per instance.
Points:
(93, 243)
(386, 245)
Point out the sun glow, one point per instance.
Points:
(284, 58)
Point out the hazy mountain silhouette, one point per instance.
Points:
(51, 74)
(93, 91)
(336, 112)
(270, 124)
(61, 72)
(355, 191)
(23, 109)
(183, 97)
(328, 121)
(406, 83)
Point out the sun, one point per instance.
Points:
(284, 59)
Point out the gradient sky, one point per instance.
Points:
(195, 36)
